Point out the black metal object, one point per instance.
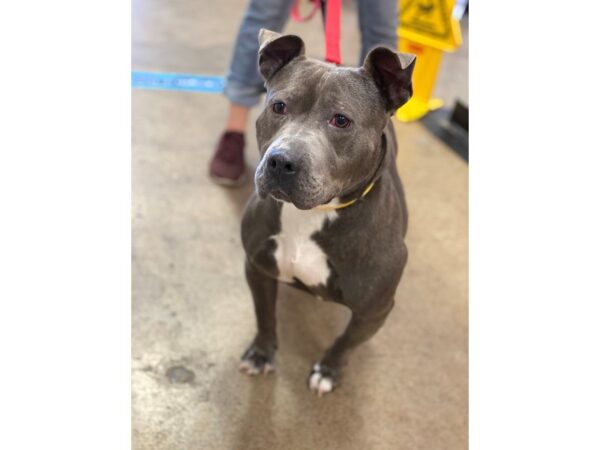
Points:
(452, 127)
(460, 116)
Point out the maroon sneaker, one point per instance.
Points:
(227, 166)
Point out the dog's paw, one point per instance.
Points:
(255, 362)
(321, 380)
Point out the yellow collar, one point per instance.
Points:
(351, 202)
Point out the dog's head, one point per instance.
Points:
(320, 134)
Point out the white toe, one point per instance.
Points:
(315, 378)
(318, 383)
(248, 367)
(325, 386)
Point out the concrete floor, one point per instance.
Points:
(192, 311)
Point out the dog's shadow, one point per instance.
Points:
(239, 195)
(280, 409)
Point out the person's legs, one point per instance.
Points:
(237, 118)
(243, 83)
(378, 21)
(244, 86)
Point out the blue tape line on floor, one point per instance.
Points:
(176, 82)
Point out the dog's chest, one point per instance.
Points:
(297, 254)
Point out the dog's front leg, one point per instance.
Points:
(258, 358)
(363, 324)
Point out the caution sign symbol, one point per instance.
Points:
(428, 17)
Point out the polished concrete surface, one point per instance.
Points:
(192, 312)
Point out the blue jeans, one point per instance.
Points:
(243, 83)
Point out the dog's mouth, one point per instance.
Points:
(281, 195)
(291, 194)
(278, 194)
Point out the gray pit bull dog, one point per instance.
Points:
(328, 215)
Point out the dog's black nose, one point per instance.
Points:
(280, 164)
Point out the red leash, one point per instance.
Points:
(332, 31)
(332, 16)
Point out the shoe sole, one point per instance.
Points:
(228, 182)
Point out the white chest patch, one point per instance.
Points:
(297, 255)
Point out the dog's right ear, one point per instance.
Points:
(276, 51)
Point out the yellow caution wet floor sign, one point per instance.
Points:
(426, 29)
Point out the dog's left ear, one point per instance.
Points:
(392, 73)
(276, 51)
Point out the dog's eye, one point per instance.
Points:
(340, 121)
(279, 108)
